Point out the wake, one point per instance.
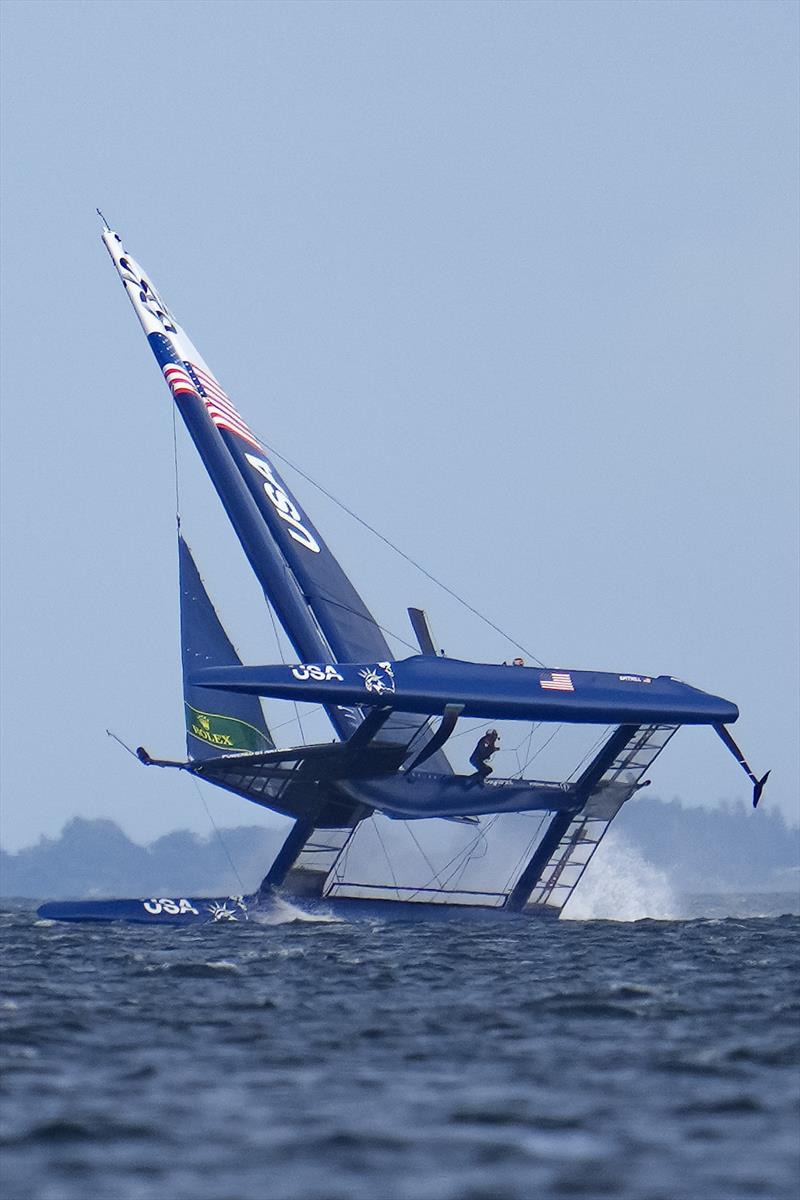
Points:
(621, 885)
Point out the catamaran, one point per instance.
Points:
(391, 717)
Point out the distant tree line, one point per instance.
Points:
(95, 858)
(730, 848)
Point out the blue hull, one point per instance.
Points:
(182, 910)
(214, 910)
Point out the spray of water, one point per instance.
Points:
(620, 885)
(282, 912)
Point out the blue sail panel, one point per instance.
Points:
(214, 725)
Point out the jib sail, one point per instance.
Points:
(215, 723)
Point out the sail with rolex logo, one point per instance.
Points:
(216, 723)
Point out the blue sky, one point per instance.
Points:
(518, 282)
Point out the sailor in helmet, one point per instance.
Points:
(482, 753)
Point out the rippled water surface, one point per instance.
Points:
(655, 1060)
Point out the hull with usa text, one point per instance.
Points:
(428, 685)
(387, 903)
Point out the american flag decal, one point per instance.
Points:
(179, 380)
(219, 406)
(559, 681)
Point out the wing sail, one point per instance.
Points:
(215, 723)
(323, 615)
(336, 617)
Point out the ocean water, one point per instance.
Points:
(295, 1059)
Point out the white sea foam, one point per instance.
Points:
(621, 885)
(282, 912)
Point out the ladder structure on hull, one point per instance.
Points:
(306, 873)
(558, 861)
(572, 839)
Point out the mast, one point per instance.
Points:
(323, 615)
(295, 557)
(320, 610)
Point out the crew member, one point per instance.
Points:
(483, 752)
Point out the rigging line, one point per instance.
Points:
(219, 835)
(176, 469)
(515, 749)
(291, 721)
(529, 739)
(455, 859)
(458, 873)
(459, 855)
(543, 746)
(422, 852)
(386, 856)
(283, 660)
(175, 459)
(339, 868)
(516, 871)
(464, 732)
(589, 752)
(453, 880)
(402, 553)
